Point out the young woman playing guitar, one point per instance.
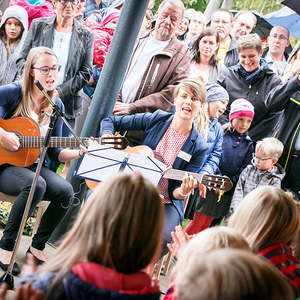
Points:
(24, 99)
(177, 139)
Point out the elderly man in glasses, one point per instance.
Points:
(72, 43)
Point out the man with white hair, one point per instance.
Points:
(158, 63)
(243, 23)
(278, 41)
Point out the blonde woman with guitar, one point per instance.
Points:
(177, 139)
(24, 99)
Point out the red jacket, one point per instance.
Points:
(280, 255)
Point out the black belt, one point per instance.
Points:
(296, 153)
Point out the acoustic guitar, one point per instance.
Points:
(28, 132)
(216, 182)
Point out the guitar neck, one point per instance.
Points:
(64, 142)
(178, 175)
(218, 182)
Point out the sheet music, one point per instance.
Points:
(104, 162)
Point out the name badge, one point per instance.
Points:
(185, 156)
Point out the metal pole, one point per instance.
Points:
(107, 89)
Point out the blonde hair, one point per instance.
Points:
(25, 107)
(196, 87)
(120, 227)
(230, 274)
(210, 239)
(270, 146)
(267, 216)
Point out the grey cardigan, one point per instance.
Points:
(79, 65)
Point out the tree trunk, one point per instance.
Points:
(227, 4)
(211, 7)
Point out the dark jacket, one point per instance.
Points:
(165, 70)
(264, 121)
(286, 97)
(10, 97)
(154, 126)
(79, 64)
(237, 153)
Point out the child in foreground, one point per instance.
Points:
(210, 239)
(269, 219)
(264, 170)
(109, 246)
(230, 274)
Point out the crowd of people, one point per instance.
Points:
(205, 96)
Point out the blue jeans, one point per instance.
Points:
(291, 180)
(16, 181)
(172, 219)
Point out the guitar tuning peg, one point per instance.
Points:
(221, 193)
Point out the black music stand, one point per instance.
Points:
(104, 162)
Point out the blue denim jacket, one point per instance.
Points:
(91, 7)
(79, 65)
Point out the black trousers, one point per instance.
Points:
(16, 181)
(291, 179)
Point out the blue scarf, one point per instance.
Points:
(254, 76)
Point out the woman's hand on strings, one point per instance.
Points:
(188, 184)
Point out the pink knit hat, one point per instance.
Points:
(108, 15)
(241, 108)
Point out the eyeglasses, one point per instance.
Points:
(65, 2)
(46, 70)
(280, 37)
(262, 159)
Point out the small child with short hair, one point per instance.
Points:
(230, 274)
(210, 239)
(264, 170)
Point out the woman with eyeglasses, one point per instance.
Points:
(24, 99)
(72, 42)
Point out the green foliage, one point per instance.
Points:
(199, 5)
(4, 214)
(261, 6)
